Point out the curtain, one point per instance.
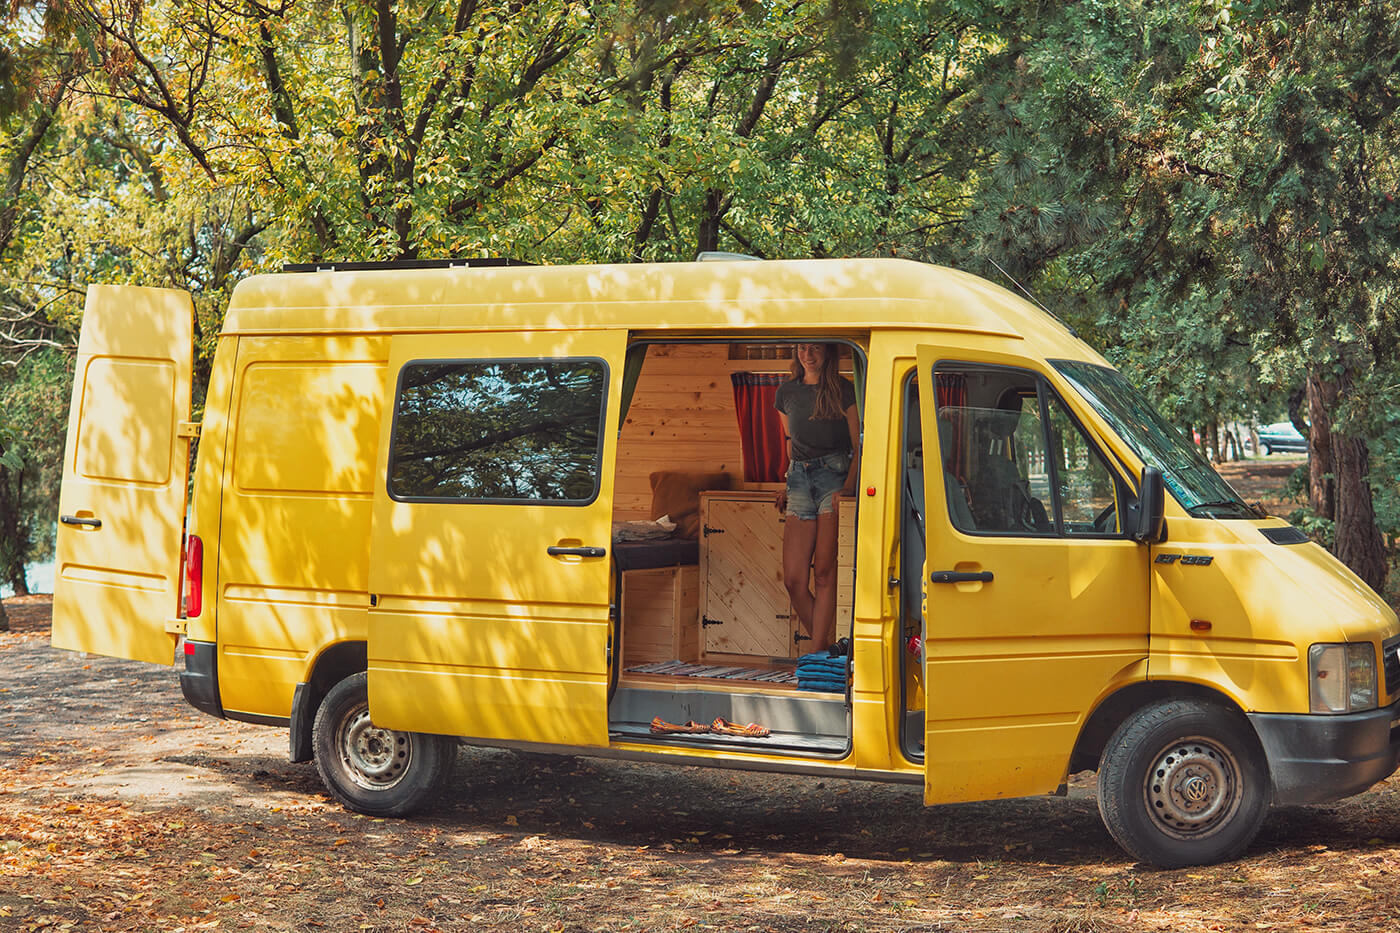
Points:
(760, 431)
(631, 372)
(950, 392)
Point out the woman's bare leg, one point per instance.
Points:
(799, 537)
(824, 580)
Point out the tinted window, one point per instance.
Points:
(522, 430)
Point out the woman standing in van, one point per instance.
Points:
(817, 407)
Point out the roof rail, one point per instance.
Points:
(333, 266)
(719, 255)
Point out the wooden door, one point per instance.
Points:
(744, 607)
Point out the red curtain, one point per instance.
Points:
(951, 392)
(760, 431)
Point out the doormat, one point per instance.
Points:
(686, 669)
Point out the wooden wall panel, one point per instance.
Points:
(682, 418)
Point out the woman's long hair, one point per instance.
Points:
(827, 406)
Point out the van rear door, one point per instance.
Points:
(490, 552)
(125, 469)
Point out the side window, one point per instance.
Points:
(992, 446)
(498, 431)
(1087, 491)
(1010, 471)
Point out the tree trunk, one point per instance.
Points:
(13, 541)
(707, 235)
(4, 619)
(1322, 398)
(19, 582)
(1339, 487)
(1358, 543)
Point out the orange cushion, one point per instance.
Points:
(677, 493)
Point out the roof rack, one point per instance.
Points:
(485, 262)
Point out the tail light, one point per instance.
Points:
(194, 576)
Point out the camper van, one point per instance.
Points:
(535, 508)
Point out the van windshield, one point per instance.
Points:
(1158, 442)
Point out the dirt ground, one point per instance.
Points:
(123, 809)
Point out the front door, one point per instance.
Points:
(1036, 599)
(490, 549)
(125, 466)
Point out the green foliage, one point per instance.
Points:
(34, 399)
(1204, 189)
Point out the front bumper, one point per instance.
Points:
(1315, 758)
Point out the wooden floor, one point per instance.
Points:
(738, 686)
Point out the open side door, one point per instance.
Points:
(125, 473)
(489, 559)
(1036, 596)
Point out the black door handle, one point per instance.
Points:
(555, 550)
(75, 520)
(957, 576)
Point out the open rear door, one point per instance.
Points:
(125, 469)
(490, 553)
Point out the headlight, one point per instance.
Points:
(1343, 677)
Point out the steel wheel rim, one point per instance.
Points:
(1193, 787)
(374, 758)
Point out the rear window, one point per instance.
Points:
(498, 431)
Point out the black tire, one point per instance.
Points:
(1268, 451)
(1184, 782)
(376, 771)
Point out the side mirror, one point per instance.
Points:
(1149, 518)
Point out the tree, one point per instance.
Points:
(1215, 176)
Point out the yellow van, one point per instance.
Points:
(534, 508)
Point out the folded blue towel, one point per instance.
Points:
(822, 687)
(835, 666)
(822, 680)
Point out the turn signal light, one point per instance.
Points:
(194, 576)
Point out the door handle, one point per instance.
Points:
(75, 520)
(958, 576)
(555, 550)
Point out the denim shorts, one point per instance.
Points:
(812, 485)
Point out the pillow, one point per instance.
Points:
(677, 493)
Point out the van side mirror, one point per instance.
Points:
(1149, 516)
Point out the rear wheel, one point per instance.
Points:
(381, 772)
(1183, 782)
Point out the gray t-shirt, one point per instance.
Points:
(814, 437)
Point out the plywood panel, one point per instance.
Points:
(682, 418)
(845, 566)
(742, 587)
(660, 615)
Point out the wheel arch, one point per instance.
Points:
(335, 663)
(1119, 705)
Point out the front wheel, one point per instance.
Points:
(379, 772)
(1183, 782)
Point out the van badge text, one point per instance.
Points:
(1193, 560)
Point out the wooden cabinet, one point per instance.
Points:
(744, 608)
(660, 615)
(743, 605)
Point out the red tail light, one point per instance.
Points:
(194, 576)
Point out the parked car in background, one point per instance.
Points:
(1281, 437)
